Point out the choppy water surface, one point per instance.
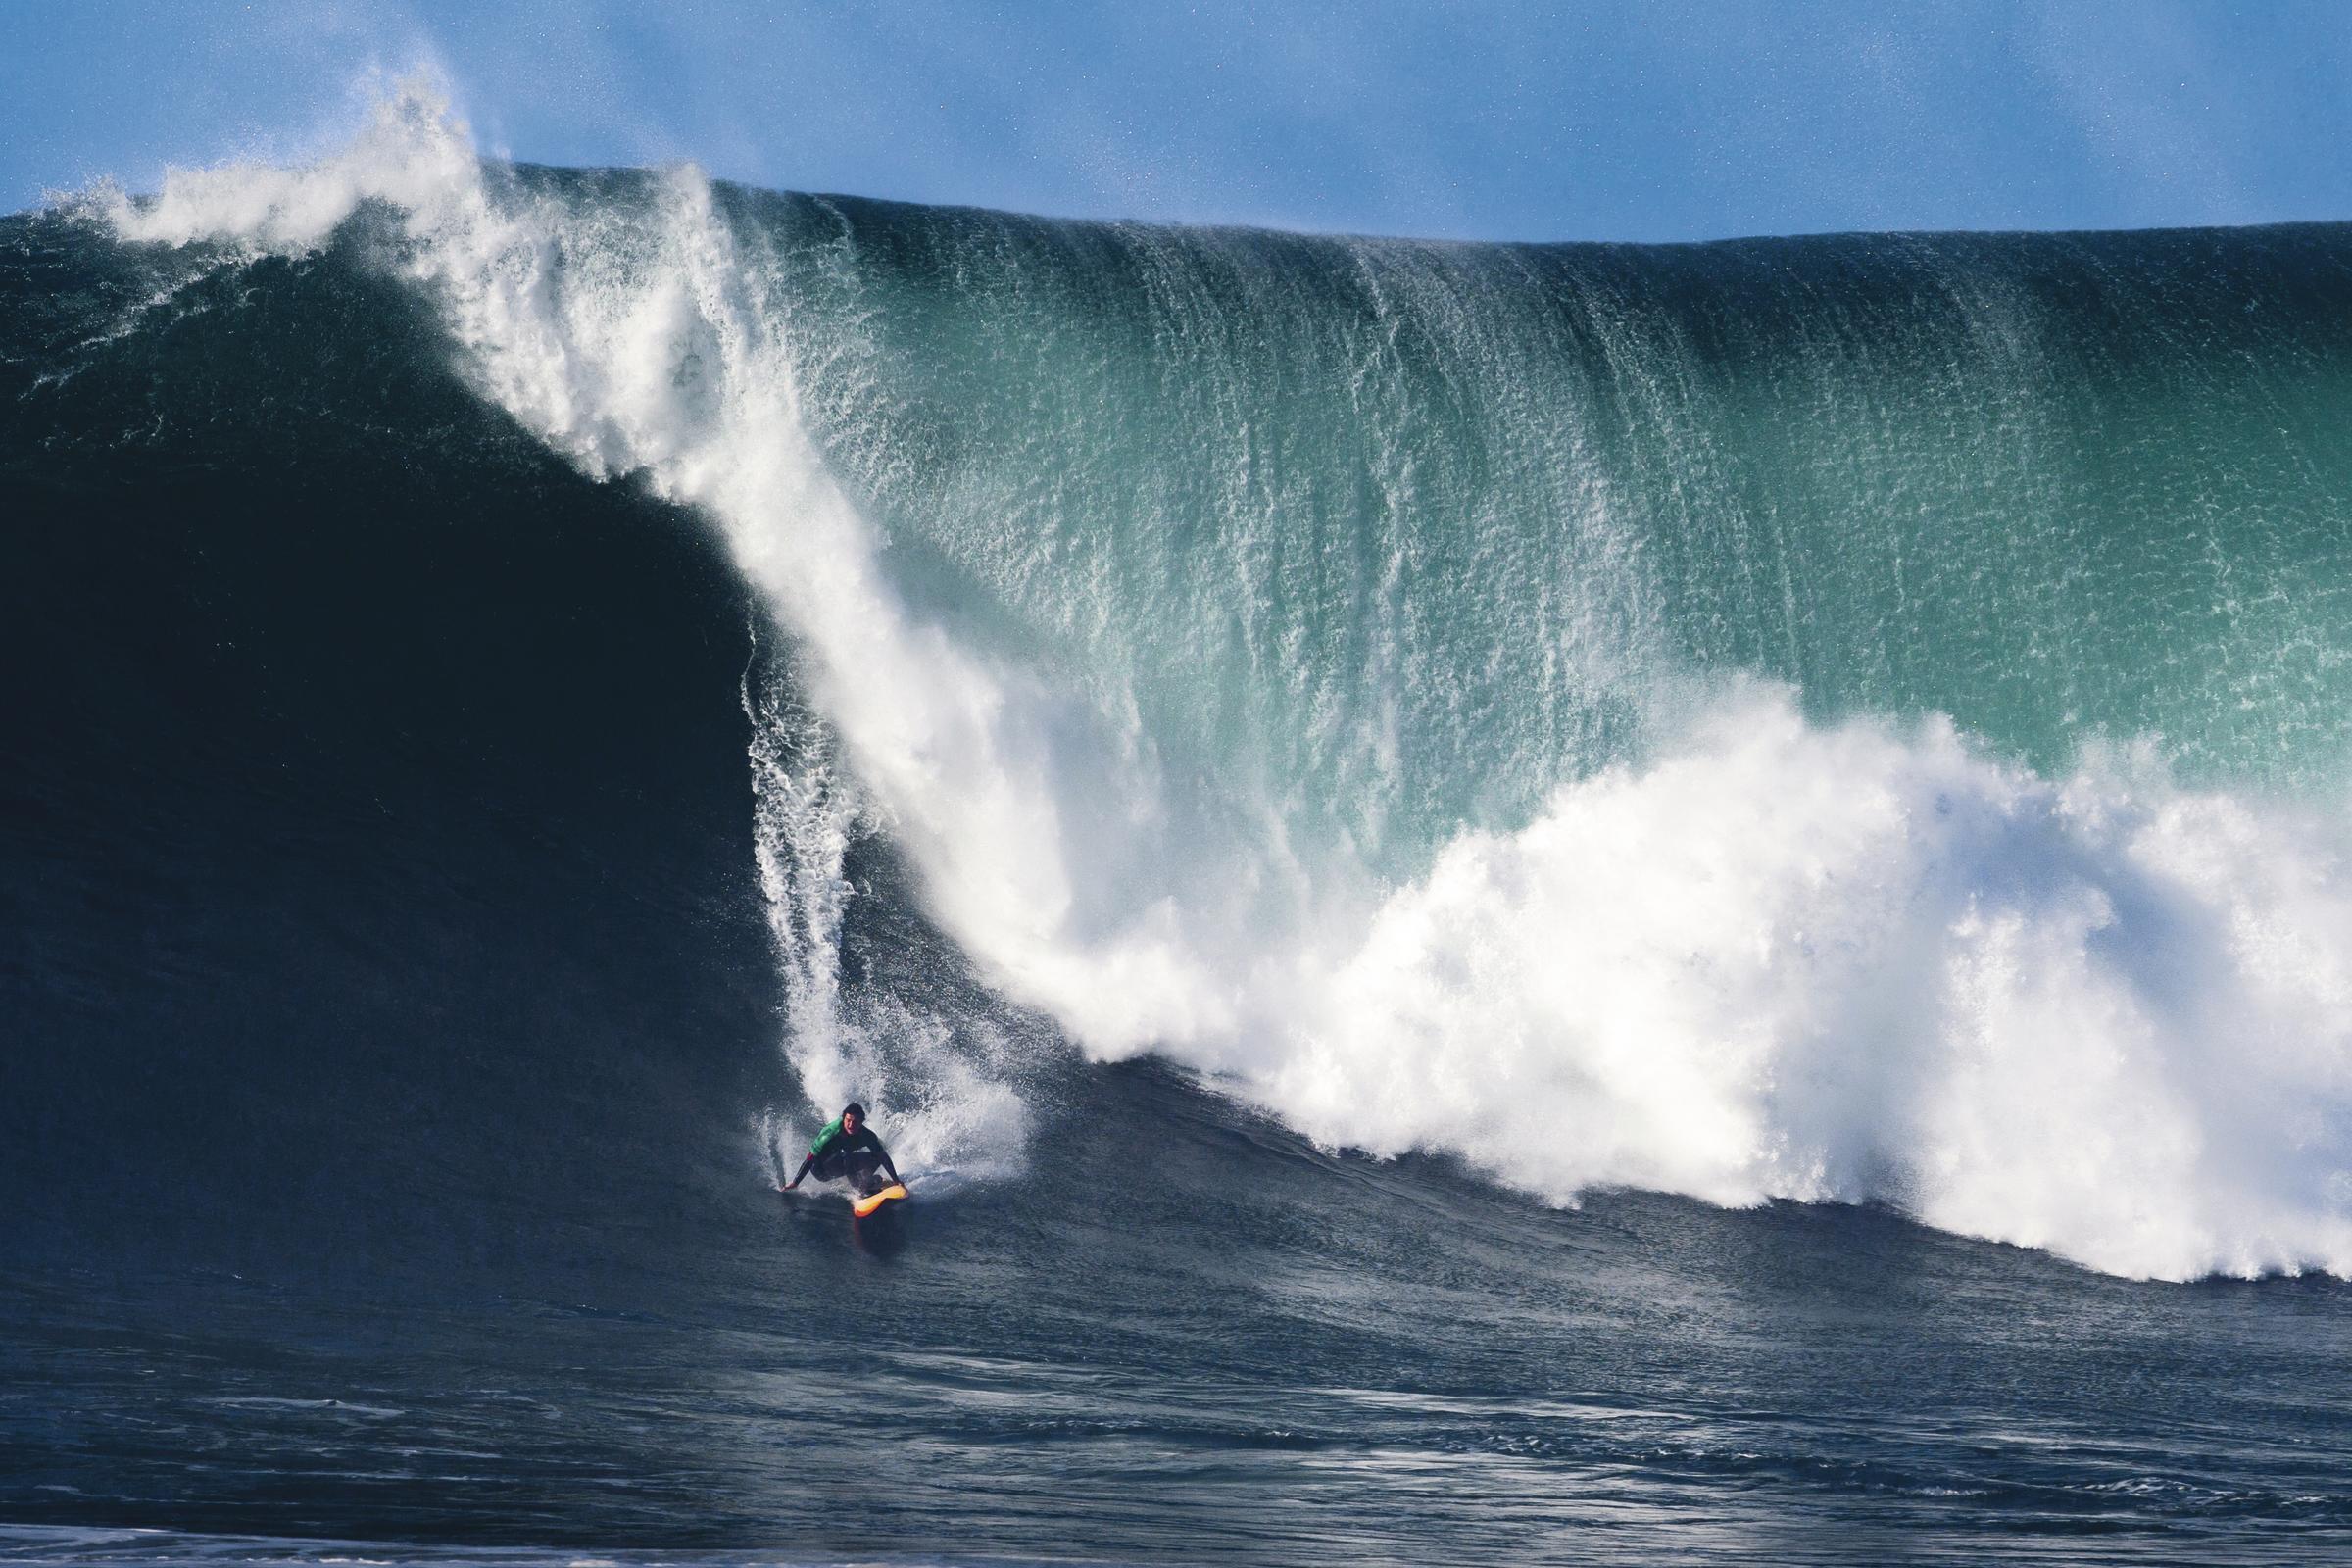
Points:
(1232, 1350)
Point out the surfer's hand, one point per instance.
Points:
(790, 1185)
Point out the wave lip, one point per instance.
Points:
(1159, 752)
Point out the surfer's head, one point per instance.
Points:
(852, 1116)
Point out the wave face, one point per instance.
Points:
(1856, 718)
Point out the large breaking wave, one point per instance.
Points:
(1853, 720)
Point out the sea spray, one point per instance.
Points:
(942, 1108)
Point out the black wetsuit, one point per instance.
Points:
(839, 1155)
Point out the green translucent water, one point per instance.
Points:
(1395, 537)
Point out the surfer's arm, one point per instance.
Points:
(805, 1162)
(883, 1155)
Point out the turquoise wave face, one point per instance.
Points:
(1409, 533)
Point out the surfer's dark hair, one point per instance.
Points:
(852, 1108)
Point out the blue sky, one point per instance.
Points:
(1672, 121)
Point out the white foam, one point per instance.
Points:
(2105, 1016)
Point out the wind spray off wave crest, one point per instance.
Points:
(626, 331)
(1321, 662)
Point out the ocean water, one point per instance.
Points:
(1548, 902)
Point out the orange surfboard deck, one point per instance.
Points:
(862, 1206)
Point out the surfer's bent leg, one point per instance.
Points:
(858, 1165)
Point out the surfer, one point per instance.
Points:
(848, 1151)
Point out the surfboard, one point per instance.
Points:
(862, 1206)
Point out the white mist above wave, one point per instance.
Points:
(2106, 1015)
